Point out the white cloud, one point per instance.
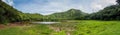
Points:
(60, 6)
(97, 5)
(50, 7)
(53, 6)
(10, 2)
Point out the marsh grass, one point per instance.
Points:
(73, 27)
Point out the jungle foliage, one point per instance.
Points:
(10, 14)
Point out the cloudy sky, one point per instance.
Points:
(46, 7)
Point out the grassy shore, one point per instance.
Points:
(73, 27)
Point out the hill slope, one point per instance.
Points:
(9, 14)
(108, 13)
(70, 14)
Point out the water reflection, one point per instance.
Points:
(45, 22)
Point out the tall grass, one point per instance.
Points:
(74, 27)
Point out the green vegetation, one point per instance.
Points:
(7, 11)
(73, 27)
(71, 14)
(97, 28)
(26, 30)
(9, 14)
(79, 23)
(118, 1)
(108, 13)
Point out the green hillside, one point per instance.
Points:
(8, 13)
(69, 22)
(72, 14)
(108, 13)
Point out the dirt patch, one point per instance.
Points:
(13, 24)
(58, 29)
(16, 24)
(2, 26)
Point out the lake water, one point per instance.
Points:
(45, 22)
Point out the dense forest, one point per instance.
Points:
(10, 14)
(69, 22)
(72, 14)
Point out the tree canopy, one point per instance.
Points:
(118, 1)
(10, 14)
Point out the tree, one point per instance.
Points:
(109, 13)
(118, 1)
(10, 14)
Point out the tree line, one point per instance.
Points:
(10, 14)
